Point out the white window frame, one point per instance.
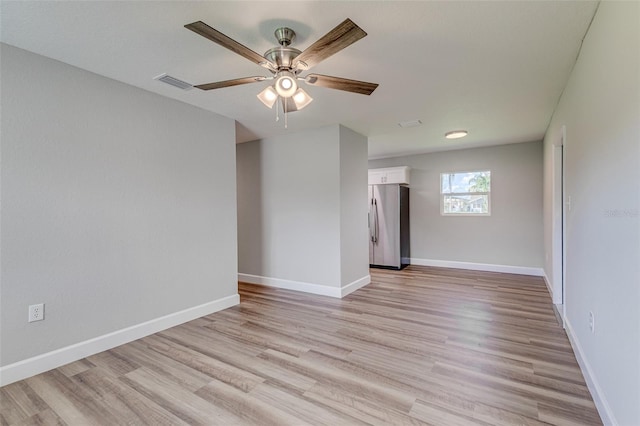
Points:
(464, 214)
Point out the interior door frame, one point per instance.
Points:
(558, 223)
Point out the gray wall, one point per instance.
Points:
(511, 236)
(118, 205)
(354, 252)
(302, 207)
(288, 220)
(600, 108)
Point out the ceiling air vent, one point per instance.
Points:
(412, 123)
(173, 81)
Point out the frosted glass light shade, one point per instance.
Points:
(301, 99)
(268, 97)
(286, 84)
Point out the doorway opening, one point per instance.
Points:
(558, 243)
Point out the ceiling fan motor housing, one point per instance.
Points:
(285, 36)
(282, 56)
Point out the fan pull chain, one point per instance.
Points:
(286, 115)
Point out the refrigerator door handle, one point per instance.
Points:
(371, 223)
(375, 220)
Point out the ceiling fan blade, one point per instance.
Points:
(334, 41)
(339, 83)
(229, 83)
(216, 36)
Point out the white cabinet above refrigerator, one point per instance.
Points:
(387, 175)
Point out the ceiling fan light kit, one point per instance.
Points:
(286, 85)
(301, 99)
(268, 96)
(287, 63)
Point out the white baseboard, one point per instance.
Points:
(322, 290)
(50, 360)
(548, 284)
(350, 288)
(556, 298)
(487, 267)
(599, 399)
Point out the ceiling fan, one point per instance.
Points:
(286, 64)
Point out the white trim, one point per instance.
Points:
(557, 220)
(50, 360)
(558, 307)
(323, 290)
(599, 399)
(548, 284)
(359, 283)
(507, 269)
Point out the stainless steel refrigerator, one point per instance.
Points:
(389, 226)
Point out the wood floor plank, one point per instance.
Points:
(360, 406)
(259, 368)
(421, 346)
(132, 407)
(18, 402)
(188, 407)
(497, 416)
(262, 338)
(302, 337)
(240, 378)
(182, 374)
(300, 407)
(74, 368)
(112, 361)
(249, 408)
(351, 383)
(73, 403)
(568, 414)
(44, 418)
(439, 416)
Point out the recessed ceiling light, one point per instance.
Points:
(455, 134)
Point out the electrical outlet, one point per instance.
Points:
(36, 312)
(592, 322)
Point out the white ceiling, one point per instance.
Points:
(495, 68)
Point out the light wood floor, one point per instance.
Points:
(421, 346)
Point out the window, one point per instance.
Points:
(465, 193)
